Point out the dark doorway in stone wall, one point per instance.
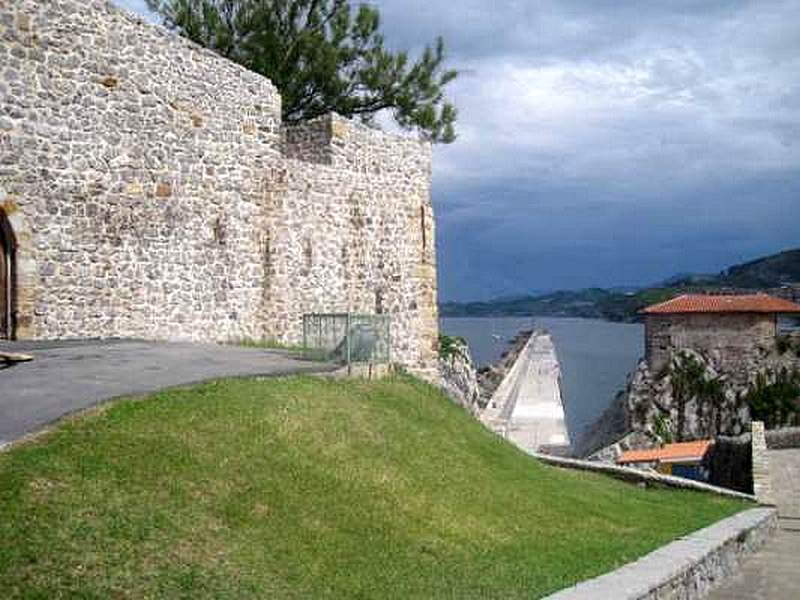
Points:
(7, 269)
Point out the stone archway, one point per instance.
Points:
(7, 278)
(19, 280)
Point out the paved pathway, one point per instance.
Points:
(69, 376)
(774, 573)
(527, 406)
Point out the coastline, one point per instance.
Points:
(527, 406)
(595, 357)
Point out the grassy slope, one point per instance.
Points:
(304, 488)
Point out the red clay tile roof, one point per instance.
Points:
(745, 303)
(689, 451)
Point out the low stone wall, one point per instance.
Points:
(638, 476)
(687, 568)
(762, 482)
(778, 439)
(730, 463)
(741, 463)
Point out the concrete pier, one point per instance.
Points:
(527, 407)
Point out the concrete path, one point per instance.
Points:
(69, 376)
(527, 407)
(774, 573)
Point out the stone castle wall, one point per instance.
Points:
(359, 229)
(154, 193)
(733, 342)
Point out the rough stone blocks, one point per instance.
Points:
(154, 192)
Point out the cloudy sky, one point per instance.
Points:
(608, 142)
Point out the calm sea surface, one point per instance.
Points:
(596, 356)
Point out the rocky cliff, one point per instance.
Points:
(459, 378)
(694, 397)
(463, 382)
(491, 376)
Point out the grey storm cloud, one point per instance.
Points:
(610, 142)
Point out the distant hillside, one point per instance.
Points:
(592, 303)
(770, 273)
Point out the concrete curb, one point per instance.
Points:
(687, 568)
(638, 476)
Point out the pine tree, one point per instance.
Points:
(323, 56)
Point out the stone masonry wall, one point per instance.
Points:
(154, 192)
(358, 233)
(732, 341)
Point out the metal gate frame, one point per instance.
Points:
(347, 338)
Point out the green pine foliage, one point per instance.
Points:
(323, 56)
(451, 346)
(775, 398)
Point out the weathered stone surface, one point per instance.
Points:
(650, 398)
(686, 569)
(788, 437)
(732, 342)
(762, 485)
(158, 195)
(460, 378)
(633, 440)
(631, 422)
(650, 394)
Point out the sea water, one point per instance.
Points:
(595, 356)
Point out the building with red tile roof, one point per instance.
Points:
(743, 303)
(684, 459)
(679, 452)
(733, 330)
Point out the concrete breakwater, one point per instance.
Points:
(527, 407)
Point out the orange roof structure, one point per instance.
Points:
(680, 452)
(743, 303)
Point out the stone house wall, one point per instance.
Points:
(154, 192)
(733, 341)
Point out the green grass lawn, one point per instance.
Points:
(308, 488)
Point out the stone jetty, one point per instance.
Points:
(527, 407)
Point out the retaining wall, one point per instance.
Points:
(686, 569)
(778, 439)
(638, 475)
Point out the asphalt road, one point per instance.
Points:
(66, 377)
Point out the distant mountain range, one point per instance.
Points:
(777, 274)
